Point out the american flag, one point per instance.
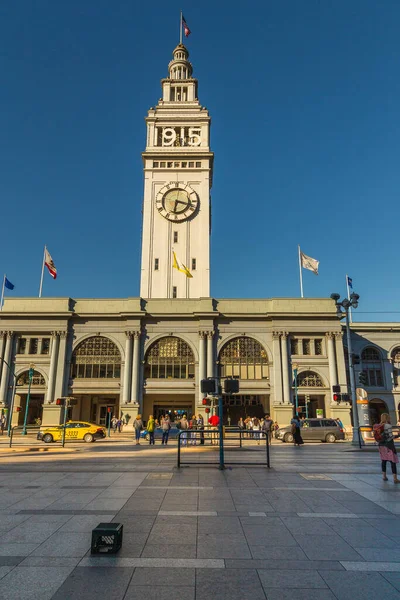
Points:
(185, 27)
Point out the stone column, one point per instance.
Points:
(341, 365)
(135, 366)
(331, 361)
(210, 354)
(6, 370)
(53, 365)
(202, 360)
(285, 367)
(128, 368)
(60, 370)
(276, 349)
(1, 351)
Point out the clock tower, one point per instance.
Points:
(178, 168)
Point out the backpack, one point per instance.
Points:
(151, 426)
(379, 433)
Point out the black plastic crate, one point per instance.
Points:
(107, 538)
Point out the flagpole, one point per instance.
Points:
(301, 274)
(41, 277)
(2, 292)
(348, 297)
(180, 30)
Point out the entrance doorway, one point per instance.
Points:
(175, 412)
(105, 414)
(376, 408)
(315, 406)
(244, 406)
(35, 409)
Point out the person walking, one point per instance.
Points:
(138, 426)
(151, 426)
(184, 427)
(256, 430)
(214, 422)
(200, 425)
(2, 423)
(268, 426)
(165, 426)
(114, 422)
(387, 449)
(275, 428)
(193, 430)
(296, 425)
(119, 425)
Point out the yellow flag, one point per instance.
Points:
(179, 266)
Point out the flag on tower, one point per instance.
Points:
(6, 284)
(179, 266)
(309, 263)
(185, 27)
(48, 261)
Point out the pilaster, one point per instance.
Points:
(202, 361)
(127, 368)
(135, 368)
(60, 368)
(285, 367)
(53, 365)
(277, 367)
(210, 354)
(330, 342)
(6, 367)
(340, 362)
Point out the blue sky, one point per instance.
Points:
(304, 99)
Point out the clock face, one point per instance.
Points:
(176, 201)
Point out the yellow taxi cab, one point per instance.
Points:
(74, 430)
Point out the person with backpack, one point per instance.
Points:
(295, 428)
(165, 426)
(383, 434)
(151, 426)
(138, 426)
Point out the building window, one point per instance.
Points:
(372, 365)
(193, 264)
(169, 358)
(169, 165)
(318, 347)
(306, 347)
(21, 345)
(191, 165)
(198, 164)
(162, 165)
(156, 264)
(33, 345)
(175, 237)
(184, 165)
(177, 165)
(37, 379)
(294, 346)
(96, 358)
(245, 358)
(45, 345)
(174, 292)
(155, 164)
(309, 379)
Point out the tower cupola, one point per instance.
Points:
(180, 86)
(180, 68)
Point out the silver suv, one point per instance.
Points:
(313, 430)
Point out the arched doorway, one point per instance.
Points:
(311, 401)
(96, 365)
(376, 408)
(169, 373)
(36, 398)
(245, 358)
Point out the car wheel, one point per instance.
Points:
(147, 437)
(47, 438)
(288, 437)
(88, 438)
(330, 438)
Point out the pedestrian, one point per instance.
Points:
(249, 426)
(184, 426)
(114, 422)
(268, 426)
(296, 425)
(241, 424)
(229, 421)
(276, 427)
(119, 425)
(2, 423)
(138, 426)
(256, 430)
(193, 430)
(151, 426)
(165, 426)
(387, 449)
(200, 425)
(214, 422)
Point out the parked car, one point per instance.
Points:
(314, 430)
(74, 430)
(173, 433)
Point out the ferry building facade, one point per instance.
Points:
(148, 354)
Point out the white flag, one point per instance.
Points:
(309, 263)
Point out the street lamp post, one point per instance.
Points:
(346, 304)
(30, 375)
(296, 390)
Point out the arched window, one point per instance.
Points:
(96, 358)
(372, 366)
(309, 379)
(37, 379)
(245, 358)
(395, 356)
(169, 358)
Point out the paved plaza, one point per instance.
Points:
(319, 525)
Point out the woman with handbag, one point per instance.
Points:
(387, 450)
(296, 424)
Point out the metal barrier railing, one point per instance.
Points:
(38, 428)
(216, 436)
(370, 438)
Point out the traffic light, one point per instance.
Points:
(346, 397)
(337, 397)
(204, 401)
(18, 409)
(356, 359)
(207, 410)
(363, 377)
(60, 402)
(336, 389)
(231, 386)
(209, 386)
